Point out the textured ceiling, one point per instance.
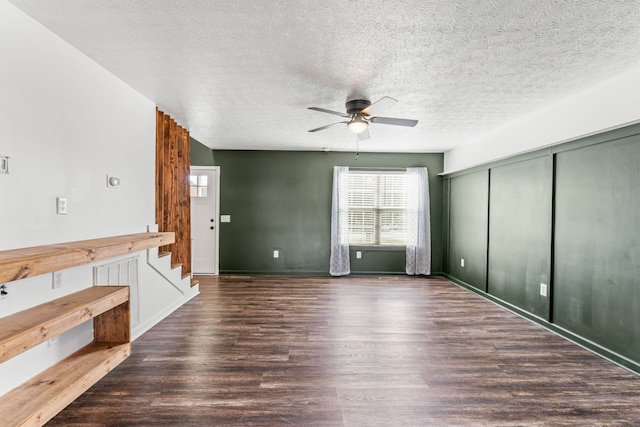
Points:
(239, 74)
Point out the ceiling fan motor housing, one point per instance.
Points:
(357, 105)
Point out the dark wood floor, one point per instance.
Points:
(276, 351)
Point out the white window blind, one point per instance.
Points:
(377, 204)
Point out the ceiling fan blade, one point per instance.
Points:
(363, 135)
(380, 105)
(392, 121)
(323, 110)
(326, 126)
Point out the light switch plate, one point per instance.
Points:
(276, 253)
(4, 164)
(461, 262)
(225, 218)
(358, 254)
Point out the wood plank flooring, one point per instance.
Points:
(355, 351)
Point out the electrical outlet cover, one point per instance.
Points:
(543, 289)
(61, 205)
(57, 280)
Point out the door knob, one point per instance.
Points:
(211, 219)
(211, 227)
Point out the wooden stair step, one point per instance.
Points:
(38, 400)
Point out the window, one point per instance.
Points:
(198, 185)
(377, 204)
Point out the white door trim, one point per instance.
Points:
(216, 170)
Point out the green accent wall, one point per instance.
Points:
(201, 155)
(520, 233)
(468, 202)
(282, 200)
(567, 216)
(597, 244)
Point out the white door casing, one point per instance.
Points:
(205, 214)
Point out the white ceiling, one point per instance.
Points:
(239, 74)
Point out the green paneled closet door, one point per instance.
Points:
(597, 244)
(468, 217)
(520, 234)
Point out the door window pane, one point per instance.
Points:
(198, 185)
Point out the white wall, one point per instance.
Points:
(611, 104)
(65, 123)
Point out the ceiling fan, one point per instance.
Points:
(360, 113)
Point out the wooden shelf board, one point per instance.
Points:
(28, 328)
(42, 397)
(18, 264)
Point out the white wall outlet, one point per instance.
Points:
(358, 254)
(61, 205)
(52, 341)
(543, 289)
(225, 218)
(461, 262)
(57, 280)
(276, 253)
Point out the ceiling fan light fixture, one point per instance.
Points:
(359, 115)
(357, 125)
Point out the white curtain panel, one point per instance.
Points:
(419, 226)
(339, 260)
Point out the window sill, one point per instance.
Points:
(385, 248)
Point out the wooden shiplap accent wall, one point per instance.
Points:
(173, 202)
